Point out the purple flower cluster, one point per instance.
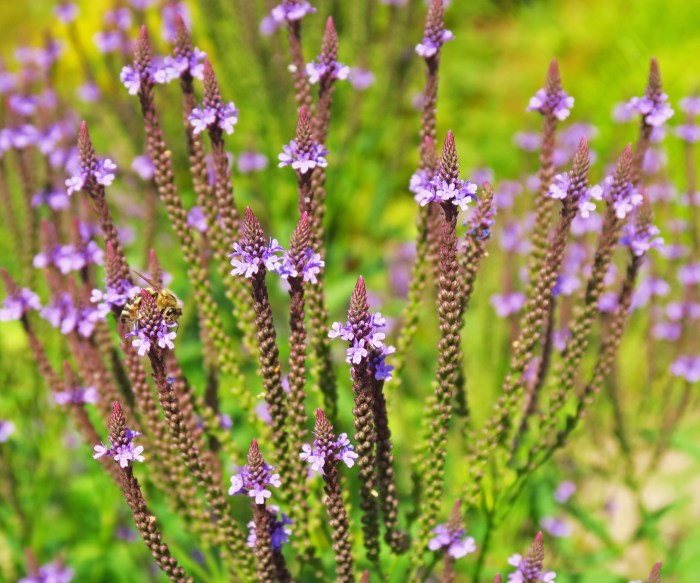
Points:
(7, 428)
(366, 345)
(279, 530)
(56, 200)
(316, 70)
(311, 268)
(122, 453)
(115, 296)
(556, 526)
(459, 192)
(526, 571)
(61, 313)
(687, 367)
(624, 199)
(655, 110)
(302, 159)
(452, 541)
(16, 305)
(558, 104)
(507, 304)
(77, 396)
(641, 240)
(225, 116)
(66, 12)
(431, 43)
(197, 219)
(170, 68)
(340, 450)
(103, 173)
(249, 161)
(245, 482)
(53, 572)
(144, 337)
(283, 13)
(247, 260)
(67, 258)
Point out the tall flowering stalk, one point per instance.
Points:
(554, 104)
(428, 220)
(621, 199)
(165, 181)
(123, 450)
(153, 337)
(654, 111)
(291, 12)
(326, 72)
(295, 261)
(253, 258)
(253, 481)
(641, 232)
(451, 194)
(451, 541)
(324, 454)
(217, 201)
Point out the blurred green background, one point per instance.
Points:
(68, 508)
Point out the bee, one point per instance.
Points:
(166, 301)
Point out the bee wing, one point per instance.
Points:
(152, 283)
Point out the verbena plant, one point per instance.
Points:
(316, 494)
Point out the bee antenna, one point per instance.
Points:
(147, 280)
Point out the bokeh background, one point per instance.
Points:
(619, 523)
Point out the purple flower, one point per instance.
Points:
(77, 396)
(197, 219)
(690, 105)
(244, 482)
(640, 241)
(459, 192)
(669, 331)
(564, 491)
(130, 79)
(528, 141)
(247, 261)
(285, 12)
(558, 527)
(655, 111)
(559, 187)
(311, 267)
(115, 296)
(624, 199)
(18, 304)
(143, 166)
(122, 453)
(279, 532)
(558, 104)
(120, 18)
(25, 105)
(430, 45)
(689, 274)
(340, 450)
(452, 541)
(507, 304)
(7, 428)
(225, 117)
(249, 161)
(687, 367)
(360, 79)
(316, 70)
(303, 160)
(88, 92)
(366, 344)
(102, 173)
(526, 571)
(66, 12)
(688, 133)
(108, 41)
(53, 572)
(225, 421)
